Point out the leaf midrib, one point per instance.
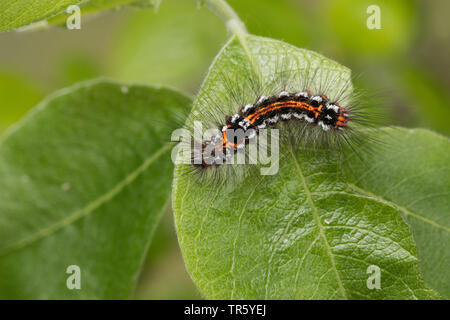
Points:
(319, 225)
(89, 208)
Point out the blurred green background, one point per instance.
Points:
(406, 63)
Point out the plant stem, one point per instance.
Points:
(228, 15)
(236, 27)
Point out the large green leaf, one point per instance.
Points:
(302, 233)
(83, 180)
(19, 13)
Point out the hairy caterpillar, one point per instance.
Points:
(267, 112)
(313, 106)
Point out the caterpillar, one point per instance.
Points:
(267, 112)
(313, 105)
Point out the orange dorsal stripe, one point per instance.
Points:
(281, 105)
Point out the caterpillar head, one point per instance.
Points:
(335, 116)
(342, 119)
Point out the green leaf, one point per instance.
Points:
(414, 178)
(83, 180)
(300, 234)
(19, 13)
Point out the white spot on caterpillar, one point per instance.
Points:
(299, 116)
(324, 126)
(247, 107)
(333, 106)
(302, 94)
(244, 124)
(317, 98)
(262, 126)
(286, 116)
(261, 99)
(283, 94)
(310, 120)
(272, 120)
(234, 118)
